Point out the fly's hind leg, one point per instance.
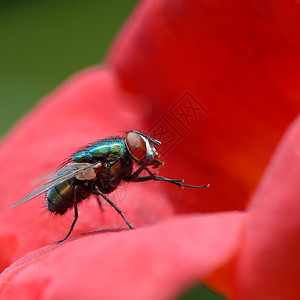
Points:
(75, 217)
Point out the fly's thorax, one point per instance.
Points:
(104, 150)
(115, 169)
(111, 170)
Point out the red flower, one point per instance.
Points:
(238, 65)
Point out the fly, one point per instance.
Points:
(97, 169)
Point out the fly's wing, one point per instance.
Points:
(68, 171)
(42, 178)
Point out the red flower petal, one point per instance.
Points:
(158, 262)
(240, 60)
(269, 263)
(221, 53)
(84, 109)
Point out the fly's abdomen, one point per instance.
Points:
(60, 198)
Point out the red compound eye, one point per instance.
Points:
(136, 145)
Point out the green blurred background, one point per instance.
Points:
(43, 42)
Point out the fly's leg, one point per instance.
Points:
(75, 217)
(99, 202)
(98, 192)
(135, 175)
(136, 178)
(97, 197)
(178, 182)
(73, 224)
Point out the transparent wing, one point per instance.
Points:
(42, 178)
(66, 172)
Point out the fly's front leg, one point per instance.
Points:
(98, 192)
(136, 178)
(135, 175)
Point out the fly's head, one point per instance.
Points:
(142, 150)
